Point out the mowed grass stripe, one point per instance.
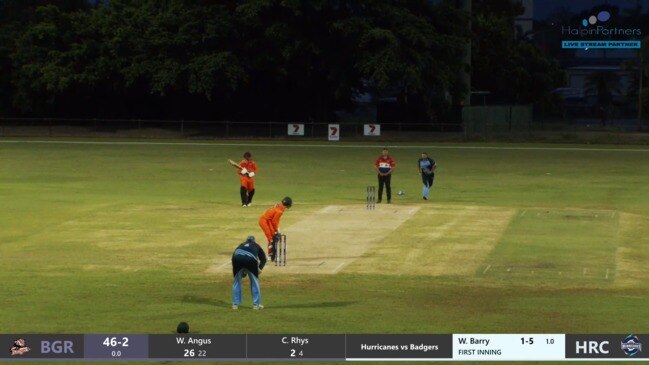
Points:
(556, 247)
(133, 237)
(632, 254)
(137, 264)
(441, 240)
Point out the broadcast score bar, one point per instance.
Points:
(351, 347)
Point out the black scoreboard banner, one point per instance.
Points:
(325, 347)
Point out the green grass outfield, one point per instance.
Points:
(112, 236)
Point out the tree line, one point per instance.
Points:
(257, 59)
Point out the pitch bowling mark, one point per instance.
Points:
(332, 239)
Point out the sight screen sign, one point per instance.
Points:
(596, 31)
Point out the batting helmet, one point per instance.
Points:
(247, 155)
(287, 202)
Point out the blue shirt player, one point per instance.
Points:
(248, 259)
(426, 167)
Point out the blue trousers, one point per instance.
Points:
(243, 264)
(427, 180)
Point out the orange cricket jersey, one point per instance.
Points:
(272, 215)
(251, 166)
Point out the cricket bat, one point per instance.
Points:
(235, 164)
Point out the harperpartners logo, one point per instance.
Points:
(595, 26)
(603, 16)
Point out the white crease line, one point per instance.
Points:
(328, 209)
(222, 265)
(487, 269)
(339, 267)
(525, 211)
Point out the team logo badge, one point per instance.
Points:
(19, 348)
(631, 345)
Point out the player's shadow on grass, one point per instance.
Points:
(206, 301)
(224, 304)
(315, 305)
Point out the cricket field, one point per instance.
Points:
(101, 236)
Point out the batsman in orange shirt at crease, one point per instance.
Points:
(269, 223)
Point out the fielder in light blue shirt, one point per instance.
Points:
(426, 167)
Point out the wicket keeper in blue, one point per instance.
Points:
(247, 260)
(426, 167)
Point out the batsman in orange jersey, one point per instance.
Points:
(247, 175)
(269, 223)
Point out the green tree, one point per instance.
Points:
(142, 50)
(174, 46)
(254, 59)
(505, 64)
(15, 18)
(320, 53)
